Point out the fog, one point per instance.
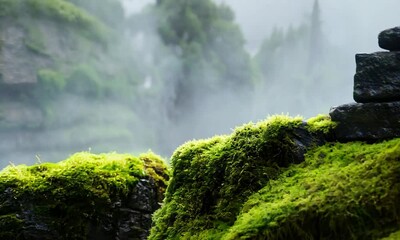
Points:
(349, 24)
(293, 84)
(348, 27)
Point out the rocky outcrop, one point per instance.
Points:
(377, 77)
(59, 80)
(252, 185)
(99, 197)
(369, 121)
(389, 39)
(376, 114)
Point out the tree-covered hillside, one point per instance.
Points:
(78, 74)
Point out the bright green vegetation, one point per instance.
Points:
(74, 191)
(211, 179)
(320, 123)
(393, 236)
(246, 186)
(341, 191)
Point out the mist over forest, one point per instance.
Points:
(133, 75)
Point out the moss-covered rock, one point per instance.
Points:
(87, 196)
(251, 185)
(211, 179)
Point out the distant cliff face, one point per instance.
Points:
(56, 69)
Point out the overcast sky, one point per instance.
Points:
(348, 23)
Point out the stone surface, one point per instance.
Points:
(389, 39)
(377, 77)
(121, 222)
(85, 197)
(368, 121)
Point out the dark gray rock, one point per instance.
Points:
(389, 39)
(367, 122)
(302, 140)
(377, 77)
(126, 218)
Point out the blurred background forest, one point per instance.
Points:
(130, 75)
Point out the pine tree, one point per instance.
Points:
(316, 48)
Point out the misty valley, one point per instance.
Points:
(206, 119)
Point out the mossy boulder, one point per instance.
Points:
(88, 196)
(253, 185)
(211, 179)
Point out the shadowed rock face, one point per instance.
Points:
(126, 219)
(389, 39)
(376, 114)
(368, 121)
(377, 77)
(88, 197)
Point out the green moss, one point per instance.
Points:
(155, 168)
(341, 191)
(13, 226)
(243, 186)
(212, 178)
(393, 236)
(68, 194)
(321, 123)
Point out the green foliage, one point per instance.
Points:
(110, 12)
(50, 82)
(34, 39)
(212, 178)
(7, 7)
(341, 191)
(74, 191)
(85, 81)
(211, 46)
(68, 13)
(393, 236)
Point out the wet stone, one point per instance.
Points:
(377, 77)
(366, 121)
(389, 39)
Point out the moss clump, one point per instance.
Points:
(12, 225)
(321, 123)
(211, 179)
(64, 197)
(393, 236)
(244, 186)
(341, 191)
